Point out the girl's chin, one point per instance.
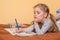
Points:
(37, 20)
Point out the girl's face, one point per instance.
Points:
(39, 15)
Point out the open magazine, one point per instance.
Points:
(12, 31)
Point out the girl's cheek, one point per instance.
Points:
(40, 18)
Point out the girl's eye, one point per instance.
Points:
(38, 12)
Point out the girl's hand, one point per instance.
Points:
(35, 23)
(19, 30)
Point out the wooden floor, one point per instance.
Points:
(4, 35)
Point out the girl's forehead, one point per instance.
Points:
(38, 9)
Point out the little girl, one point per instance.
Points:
(42, 21)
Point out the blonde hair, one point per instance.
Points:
(54, 23)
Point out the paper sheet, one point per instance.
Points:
(12, 31)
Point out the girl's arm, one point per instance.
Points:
(29, 29)
(44, 28)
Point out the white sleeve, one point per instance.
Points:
(29, 29)
(44, 28)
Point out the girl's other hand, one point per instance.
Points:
(19, 30)
(35, 23)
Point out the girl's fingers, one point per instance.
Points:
(18, 30)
